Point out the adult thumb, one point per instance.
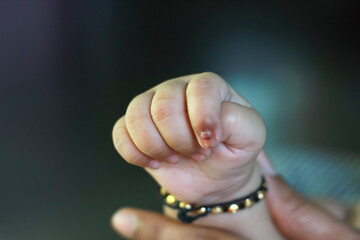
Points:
(295, 216)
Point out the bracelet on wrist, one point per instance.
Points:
(190, 212)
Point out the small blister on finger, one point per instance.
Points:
(207, 139)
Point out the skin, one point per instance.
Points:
(200, 140)
(193, 130)
(295, 216)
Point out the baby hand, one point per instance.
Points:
(196, 136)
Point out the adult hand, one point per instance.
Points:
(145, 225)
(295, 216)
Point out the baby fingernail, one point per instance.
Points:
(207, 139)
(206, 135)
(125, 222)
(155, 164)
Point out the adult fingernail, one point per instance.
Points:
(266, 165)
(125, 222)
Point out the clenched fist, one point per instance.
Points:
(196, 136)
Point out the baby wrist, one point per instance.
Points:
(251, 193)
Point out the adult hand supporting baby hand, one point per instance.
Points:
(295, 216)
(199, 139)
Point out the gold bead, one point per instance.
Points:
(233, 208)
(202, 210)
(260, 195)
(170, 199)
(248, 203)
(216, 210)
(184, 205)
(163, 191)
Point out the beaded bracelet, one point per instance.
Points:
(190, 212)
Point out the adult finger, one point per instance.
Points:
(295, 216)
(144, 225)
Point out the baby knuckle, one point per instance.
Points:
(184, 147)
(161, 110)
(203, 84)
(133, 116)
(169, 84)
(151, 148)
(136, 111)
(210, 76)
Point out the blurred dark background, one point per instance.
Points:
(68, 69)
